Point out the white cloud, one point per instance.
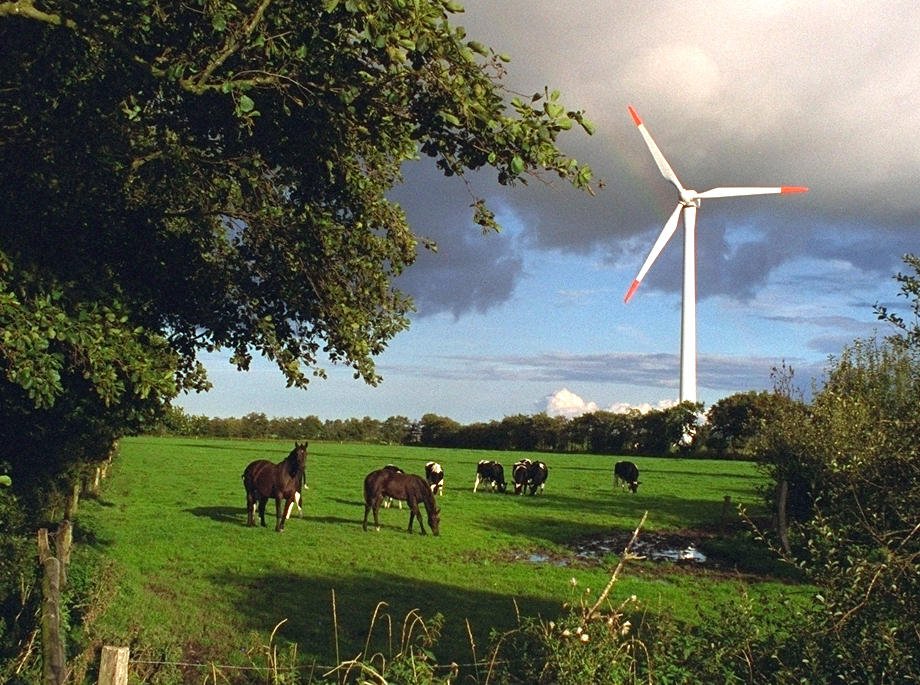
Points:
(566, 403)
(643, 408)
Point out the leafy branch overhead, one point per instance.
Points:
(218, 171)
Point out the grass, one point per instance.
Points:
(195, 584)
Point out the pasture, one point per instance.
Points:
(192, 583)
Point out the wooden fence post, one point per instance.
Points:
(113, 668)
(52, 640)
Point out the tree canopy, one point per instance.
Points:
(179, 177)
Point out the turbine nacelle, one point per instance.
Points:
(689, 198)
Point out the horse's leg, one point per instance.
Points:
(414, 512)
(367, 510)
(262, 502)
(280, 513)
(288, 509)
(250, 509)
(377, 500)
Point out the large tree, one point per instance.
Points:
(179, 177)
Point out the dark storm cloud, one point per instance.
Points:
(468, 271)
(761, 93)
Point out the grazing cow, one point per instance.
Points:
(537, 473)
(626, 474)
(434, 474)
(492, 473)
(520, 474)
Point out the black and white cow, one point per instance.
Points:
(520, 474)
(388, 501)
(626, 474)
(492, 473)
(434, 474)
(537, 473)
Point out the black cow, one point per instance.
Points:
(537, 473)
(626, 473)
(492, 473)
(520, 474)
(434, 474)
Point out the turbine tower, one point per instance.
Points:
(688, 202)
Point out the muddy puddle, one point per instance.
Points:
(657, 547)
(663, 547)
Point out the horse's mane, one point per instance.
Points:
(428, 496)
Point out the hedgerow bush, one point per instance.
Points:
(18, 577)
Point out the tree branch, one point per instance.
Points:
(27, 9)
(232, 44)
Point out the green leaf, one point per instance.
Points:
(517, 165)
(246, 103)
(553, 109)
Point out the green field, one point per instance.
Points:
(192, 583)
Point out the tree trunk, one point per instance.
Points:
(52, 640)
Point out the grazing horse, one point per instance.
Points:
(401, 486)
(263, 479)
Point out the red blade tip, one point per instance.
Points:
(632, 289)
(793, 189)
(635, 116)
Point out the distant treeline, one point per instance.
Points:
(677, 429)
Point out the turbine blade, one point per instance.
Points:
(663, 239)
(662, 163)
(737, 192)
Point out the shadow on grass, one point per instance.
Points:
(307, 604)
(623, 509)
(237, 516)
(223, 514)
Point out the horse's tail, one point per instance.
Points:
(370, 485)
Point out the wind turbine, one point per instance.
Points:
(688, 202)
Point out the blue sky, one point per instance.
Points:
(820, 94)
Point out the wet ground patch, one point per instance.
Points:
(687, 550)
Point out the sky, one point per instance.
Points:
(747, 93)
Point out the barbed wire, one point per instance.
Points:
(153, 662)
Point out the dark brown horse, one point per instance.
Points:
(402, 486)
(263, 479)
